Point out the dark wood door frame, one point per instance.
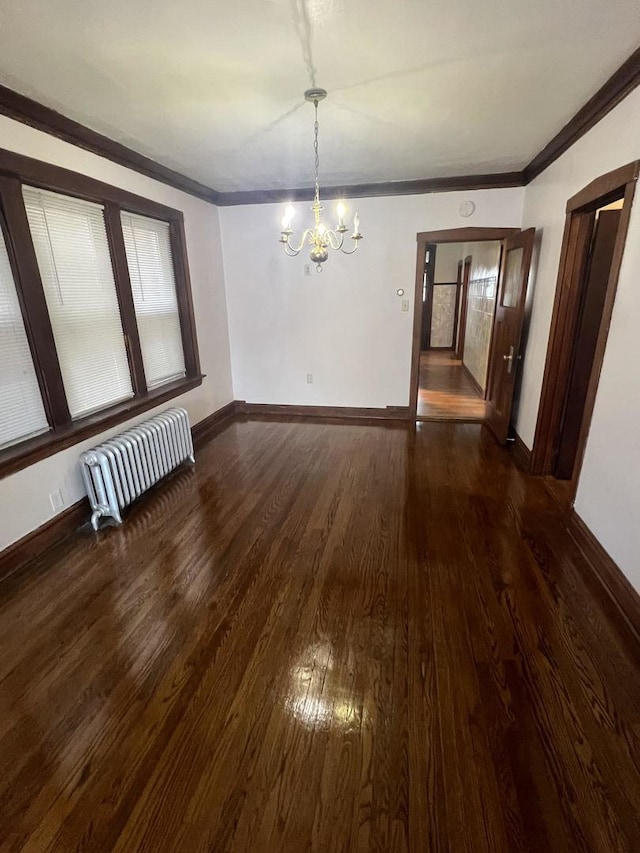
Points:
(456, 326)
(594, 292)
(427, 306)
(449, 235)
(464, 302)
(580, 213)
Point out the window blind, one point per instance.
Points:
(148, 247)
(22, 414)
(71, 246)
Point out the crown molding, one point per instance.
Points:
(19, 107)
(618, 86)
(384, 188)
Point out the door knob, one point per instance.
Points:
(509, 360)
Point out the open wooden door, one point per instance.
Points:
(593, 296)
(507, 330)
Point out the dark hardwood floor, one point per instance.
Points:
(445, 391)
(325, 637)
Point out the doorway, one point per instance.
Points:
(594, 286)
(595, 231)
(457, 281)
(458, 305)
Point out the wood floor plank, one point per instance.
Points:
(445, 391)
(324, 637)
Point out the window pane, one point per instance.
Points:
(148, 246)
(512, 276)
(21, 411)
(71, 245)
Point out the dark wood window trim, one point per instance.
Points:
(28, 452)
(185, 300)
(15, 170)
(57, 179)
(120, 266)
(32, 302)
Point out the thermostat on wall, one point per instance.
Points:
(466, 208)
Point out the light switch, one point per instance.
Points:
(405, 304)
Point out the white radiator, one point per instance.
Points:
(120, 470)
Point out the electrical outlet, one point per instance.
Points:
(307, 269)
(309, 378)
(405, 304)
(57, 501)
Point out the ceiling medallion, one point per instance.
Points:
(320, 238)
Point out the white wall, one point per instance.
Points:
(345, 325)
(608, 496)
(24, 496)
(447, 257)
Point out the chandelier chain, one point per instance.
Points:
(315, 148)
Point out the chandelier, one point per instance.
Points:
(320, 238)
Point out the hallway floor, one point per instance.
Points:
(327, 637)
(445, 391)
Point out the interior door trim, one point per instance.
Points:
(449, 235)
(575, 247)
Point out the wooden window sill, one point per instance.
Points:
(33, 450)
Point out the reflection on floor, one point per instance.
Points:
(333, 637)
(445, 391)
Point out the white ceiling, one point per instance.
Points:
(417, 88)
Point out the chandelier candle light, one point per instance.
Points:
(320, 238)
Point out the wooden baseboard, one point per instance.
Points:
(68, 521)
(449, 419)
(473, 381)
(34, 543)
(214, 423)
(391, 413)
(610, 577)
(521, 454)
(210, 426)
